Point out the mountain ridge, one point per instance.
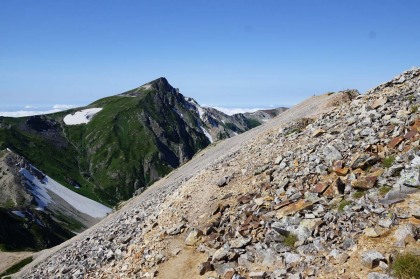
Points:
(108, 151)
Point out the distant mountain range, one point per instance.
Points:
(106, 151)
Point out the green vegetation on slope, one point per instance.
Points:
(16, 267)
(35, 233)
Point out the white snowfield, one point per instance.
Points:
(79, 202)
(81, 117)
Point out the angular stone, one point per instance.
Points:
(240, 242)
(377, 275)
(220, 254)
(416, 126)
(223, 181)
(342, 258)
(291, 258)
(372, 232)
(410, 135)
(176, 230)
(364, 182)
(193, 237)
(229, 273)
(395, 142)
(336, 188)
(320, 188)
(293, 208)
(278, 160)
(257, 275)
(403, 233)
(331, 154)
(318, 133)
(371, 258)
(378, 103)
(362, 161)
(205, 267)
(222, 268)
(342, 172)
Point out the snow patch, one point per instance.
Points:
(232, 111)
(37, 189)
(79, 202)
(81, 117)
(199, 109)
(207, 134)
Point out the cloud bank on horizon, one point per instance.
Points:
(30, 110)
(232, 111)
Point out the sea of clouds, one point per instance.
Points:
(29, 110)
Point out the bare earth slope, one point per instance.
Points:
(328, 189)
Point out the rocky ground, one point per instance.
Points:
(329, 189)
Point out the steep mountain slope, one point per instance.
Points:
(119, 145)
(36, 212)
(328, 189)
(144, 206)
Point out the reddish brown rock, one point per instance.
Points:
(320, 187)
(293, 208)
(410, 135)
(342, 172)
(395, 142)
(364, 182)
(416, 126)
(336, 188)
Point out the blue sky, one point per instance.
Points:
(222, 53)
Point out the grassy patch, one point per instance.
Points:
(292, 131)
(358, 194)
(343, 204)
(290, 240)
(414, 108)
(15, 268)
(384, 190)
(388, 161)
(9, 204)
(406, 266)
(3, 248)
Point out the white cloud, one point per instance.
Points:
(30, 110)
(22, 113)
(232, 111)
(63, 107)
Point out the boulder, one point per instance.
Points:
(371, 258)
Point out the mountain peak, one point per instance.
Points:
(159, 84)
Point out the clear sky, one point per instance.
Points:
(222, 53)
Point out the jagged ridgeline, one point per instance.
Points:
(117, 145)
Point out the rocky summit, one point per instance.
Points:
(328, 189)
